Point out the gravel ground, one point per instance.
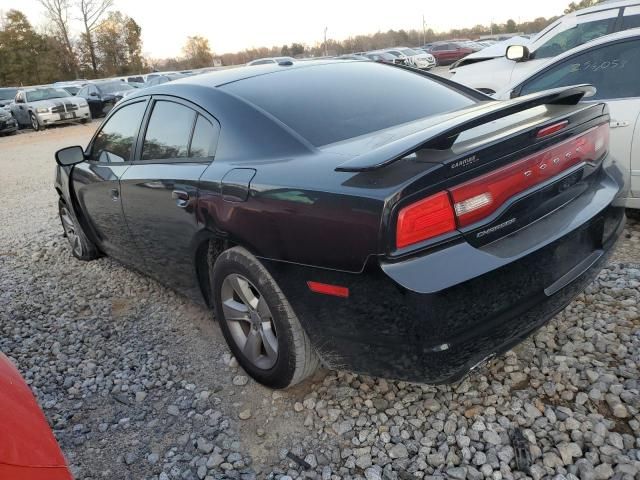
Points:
(137, 382)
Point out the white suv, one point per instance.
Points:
(566, 33)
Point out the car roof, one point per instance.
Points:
(625, 34)
(601, 6)
(222, 77)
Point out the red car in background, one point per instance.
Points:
(28, 449)
(449, 52)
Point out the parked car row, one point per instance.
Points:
(414, 57)
(80, 100)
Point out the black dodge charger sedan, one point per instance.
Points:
(367, 216)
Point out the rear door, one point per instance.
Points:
(96, 182)
(159, 191)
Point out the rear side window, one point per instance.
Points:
(114, 142)
(334, 102)
(168, 132)
(205, 138)
(613, 69)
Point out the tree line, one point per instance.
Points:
(379, 40)
(109, 43)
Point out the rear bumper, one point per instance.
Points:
(433, 318)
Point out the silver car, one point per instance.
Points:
(40, 107)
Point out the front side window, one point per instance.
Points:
(168, 131)
(613, 69)
(581, 33)
(114, 143)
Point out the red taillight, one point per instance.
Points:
(328, 289)
(425, 219)
(482, 196)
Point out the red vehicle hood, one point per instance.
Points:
(28, 449)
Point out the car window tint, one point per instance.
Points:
(631, 18)
(115, 140)
(329, 103)
(613, 69)
(573, 37)
(168, 131)
(205, 138)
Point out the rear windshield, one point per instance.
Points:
(334, 102)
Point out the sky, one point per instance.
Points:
(233, 25)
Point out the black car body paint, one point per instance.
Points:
(427, 312)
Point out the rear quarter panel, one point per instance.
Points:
(294, 215)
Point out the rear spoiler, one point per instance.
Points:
(443, 135)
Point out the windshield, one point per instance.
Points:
(8, 93)
(46, 94)
(408, 52)
(113, 87)
(72, 90)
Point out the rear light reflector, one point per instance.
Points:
(480, 197)
(328, 289)
(425, 219)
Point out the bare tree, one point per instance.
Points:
(92, 11)
(58, 13)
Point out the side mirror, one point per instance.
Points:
(70, 156)
(517, 53)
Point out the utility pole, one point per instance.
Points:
(325, 42)
(424, 31)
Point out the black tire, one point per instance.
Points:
(34, 121)
(81, 247)
(295, 359)
(85, 121)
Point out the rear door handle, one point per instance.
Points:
(115, 194)
(181, 197)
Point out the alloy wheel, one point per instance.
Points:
(34, 122)
(70, 231)
(250, 321)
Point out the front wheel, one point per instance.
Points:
(258, 323)
(34, 121)
(81, 247)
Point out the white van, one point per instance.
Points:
(568, 32)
